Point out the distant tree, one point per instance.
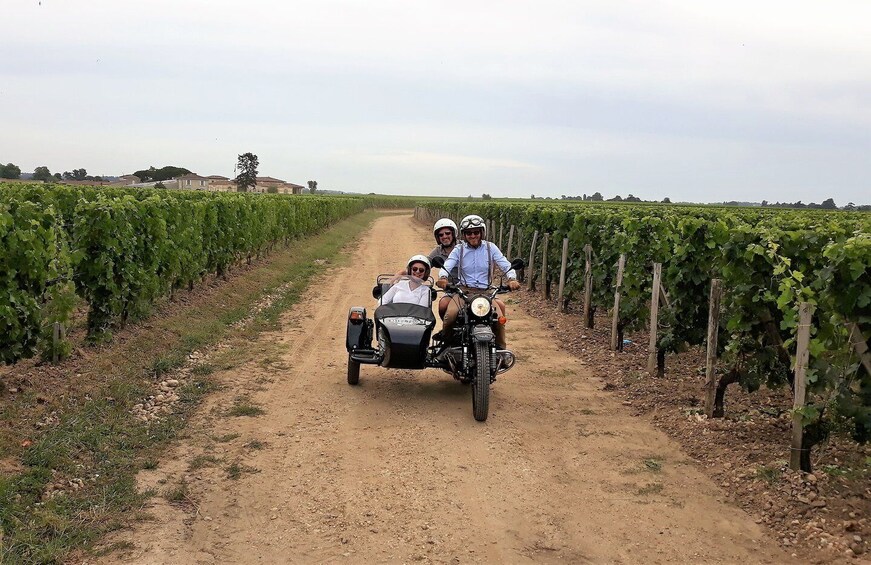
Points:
(80, 174)
(41, 173)
(67, 175)
(312, 186)
(666, 200)
(597, 197)
(532, 197)
(146, 175)
(10, 171)
(850, 206)
(159, 185)
(247, 167)
(828, 204)
(617, 198)
(764, 203)
(163, 173)
(486, 197)
(272, 190)
(631, 198)
(57, 176)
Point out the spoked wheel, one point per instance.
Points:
(353, 371)
(481, 387)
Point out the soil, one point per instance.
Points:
(287, 462)
(824, 516)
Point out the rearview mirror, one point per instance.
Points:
(518, 263)
(376, 291)
(438, 262)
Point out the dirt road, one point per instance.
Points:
(397, 469)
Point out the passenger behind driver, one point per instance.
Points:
(445, 233)
(410, 288)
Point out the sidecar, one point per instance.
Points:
(397, 338)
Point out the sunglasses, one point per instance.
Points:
(445, 233)
(418, 269)
(472, 232)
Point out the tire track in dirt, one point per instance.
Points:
(397, 470)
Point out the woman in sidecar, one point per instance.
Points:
(402, 326)
(411, 287)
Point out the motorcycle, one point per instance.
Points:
(403, 338)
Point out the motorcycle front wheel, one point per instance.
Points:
(481, 387)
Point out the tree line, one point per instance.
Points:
(44, 174)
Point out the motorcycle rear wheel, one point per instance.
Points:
(353, 371)
(481, 386)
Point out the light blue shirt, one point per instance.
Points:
(474, 271)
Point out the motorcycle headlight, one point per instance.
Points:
(480, 307)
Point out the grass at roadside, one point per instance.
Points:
(75, 479)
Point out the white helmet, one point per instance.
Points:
(419, 259)
(444, 223)
(473, 221)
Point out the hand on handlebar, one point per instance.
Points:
(513, 285)
(442, 283)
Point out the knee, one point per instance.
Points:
(500, 306)
(443, 307)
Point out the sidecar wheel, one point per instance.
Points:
(353, 372)
(481, 387)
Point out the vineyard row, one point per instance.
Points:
(769, 263)
(120, 250)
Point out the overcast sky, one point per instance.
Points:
(696, 101)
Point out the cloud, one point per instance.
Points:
(771, 98)
(416, 159)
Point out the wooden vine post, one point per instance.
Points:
(544, 286)
(501, 230)
(562, 275)
(58, 335)
(711, 353)
(588, 286)
(510, 242)
(654, 319)
(859, 346)
(621, 264)
(805, 311)
(521, 275)
(532, 260)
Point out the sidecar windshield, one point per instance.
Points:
(405, 288)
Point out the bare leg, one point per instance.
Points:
(443, 306)
(499, 329)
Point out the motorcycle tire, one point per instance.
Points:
(353, 372)
(481, 385)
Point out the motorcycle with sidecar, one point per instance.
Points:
(400, 336)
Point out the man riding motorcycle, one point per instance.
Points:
(475, 259)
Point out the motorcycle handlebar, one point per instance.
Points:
(502, 289)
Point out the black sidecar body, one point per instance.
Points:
(403, 332)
